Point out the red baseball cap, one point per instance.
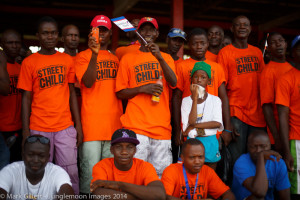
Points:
(101, 20)
(149, 20)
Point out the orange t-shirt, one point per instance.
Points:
(210, 56)
(140, 173)
(100, 110)
(142, 115)
(10, 106)
(121, 51)
(242, 69)
(288, 94)
(179, 60)
(208, 183)
(48, 78)
(269, 76)
(184, 69)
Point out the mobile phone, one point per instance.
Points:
(95, 33)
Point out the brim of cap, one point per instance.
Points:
(172, 35)
(295, 42)
(129, 140)
(145, 23)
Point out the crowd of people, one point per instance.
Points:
(147, 124)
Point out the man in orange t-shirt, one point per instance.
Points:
(192, 179)
(10, 104)
(242, 65)
(96, 69)
(198, 44)
(215, 35)
(287, 101)
(134, 43)
(269, 77)
(125, 177)
(48, 99)
(136, 81)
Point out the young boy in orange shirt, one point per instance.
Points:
(125, 177)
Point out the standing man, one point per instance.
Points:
(175, 40)
(257, 174)
(268, 81)
(287, 101)
(242, 65)
(10, 105)
(49, 99)
(136, 81)
(96, 69)
(215, 37)
(70, 38)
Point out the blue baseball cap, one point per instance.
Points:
(295, 41)
(177, 32)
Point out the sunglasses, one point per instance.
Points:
(33, 139)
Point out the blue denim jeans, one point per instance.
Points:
(4, 153)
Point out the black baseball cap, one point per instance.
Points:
(124, 135)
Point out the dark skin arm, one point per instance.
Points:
(151, 89)
(269, 117)
(90, 75)
(26, 109)
(226, 136)
(283, 113)
(228, 195)
(258, 185)
(3, 194)
(176, 115)
(154, 190)
(75, 113)
(4, 76)
(167, 71)
(66, 191)
(284, 194)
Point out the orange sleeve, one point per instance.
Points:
(221, 75)
(180, 83)
(168, 179)
(267, 86)
(25, 81)
(149, 173)
(122, 81)
(71, 73)
(222, 61)
(81, 64)
(283, 92)
(120, 52)
(100, 171)
(216, 187)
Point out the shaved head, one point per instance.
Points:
(67, 27)
(8, 32)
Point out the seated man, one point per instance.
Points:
(192, 179)
(125, 177)
(256, 174)
(35, 177)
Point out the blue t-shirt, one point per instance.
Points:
(244, 168)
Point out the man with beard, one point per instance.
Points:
(215, 35)
(268, 81)
(242, 64)
(137, 81)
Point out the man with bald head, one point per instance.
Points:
(242, 65)
(70, 38)
(261, 171)
(10, 105)
(215, 35)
